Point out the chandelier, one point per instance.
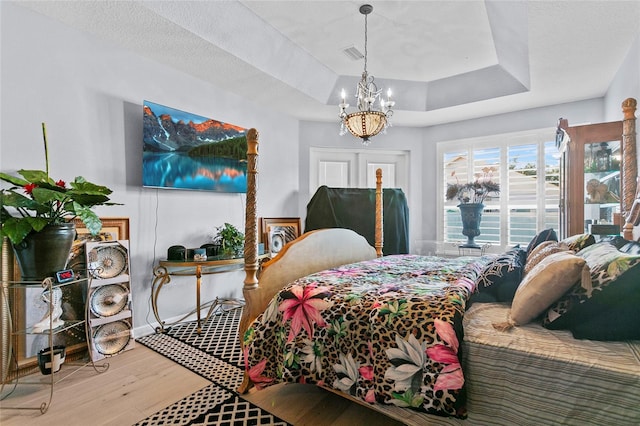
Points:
(368, 120)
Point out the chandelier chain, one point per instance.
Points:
(365, 44)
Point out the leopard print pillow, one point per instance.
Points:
(542, 251)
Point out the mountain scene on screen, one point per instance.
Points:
(187, 151)
(168, 129)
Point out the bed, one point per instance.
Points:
(401, 334)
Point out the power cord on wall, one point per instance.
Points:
(155, 243)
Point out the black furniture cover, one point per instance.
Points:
(354, 208)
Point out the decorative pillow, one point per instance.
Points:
(546, 282)
(632, 247)
(500, 278)
(615, 240)
(607, 308)
(546, 235)
(541, 251)
(616, 320)
(579, 241)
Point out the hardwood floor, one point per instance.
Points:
(137, 384)
(140, 382)
(312, 406)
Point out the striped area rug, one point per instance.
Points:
(215, 355)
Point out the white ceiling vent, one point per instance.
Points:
(353, 53)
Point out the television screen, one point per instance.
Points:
(186, 151)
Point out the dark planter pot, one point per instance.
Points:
(42, 254)
(471, 216)
(50, 361)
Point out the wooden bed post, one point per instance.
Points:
(251, 217)
(379, 219)
(629, 162)
(250, 230)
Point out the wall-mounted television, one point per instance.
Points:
(187, 151)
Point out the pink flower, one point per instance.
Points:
(446, 333)
(303, 306)
(450, 376)
(366, 371)
(443, 354)
(370, 397)
(255, 372)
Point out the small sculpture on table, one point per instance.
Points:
(51, 319)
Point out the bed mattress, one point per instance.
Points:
(534, 376)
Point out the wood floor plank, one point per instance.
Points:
(138, 383)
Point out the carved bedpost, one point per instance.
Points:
(629, 164)
(379, 219)
(250, 243)
(251, 217)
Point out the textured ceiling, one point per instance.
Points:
(445, 60)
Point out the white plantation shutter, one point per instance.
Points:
(525, 165)
(522, 192)
(486, 165)
(551, 187)
(456, 169)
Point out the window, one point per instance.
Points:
(527, 167)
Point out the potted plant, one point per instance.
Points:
(35, 210)
(230, 240)
(471, 196)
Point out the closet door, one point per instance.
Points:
(339, 168)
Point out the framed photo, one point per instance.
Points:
(113, 228)
(280, 229)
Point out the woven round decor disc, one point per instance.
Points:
(109, 300)
(111, 338)
(107, 261)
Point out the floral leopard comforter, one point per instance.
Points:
(385, 331)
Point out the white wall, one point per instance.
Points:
(626, 84)
(90, 95)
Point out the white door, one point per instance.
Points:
(346, 168)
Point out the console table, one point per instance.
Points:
(166, 268)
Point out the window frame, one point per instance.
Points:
(540, 137)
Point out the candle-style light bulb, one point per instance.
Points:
(343, 94)
(388, 95)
